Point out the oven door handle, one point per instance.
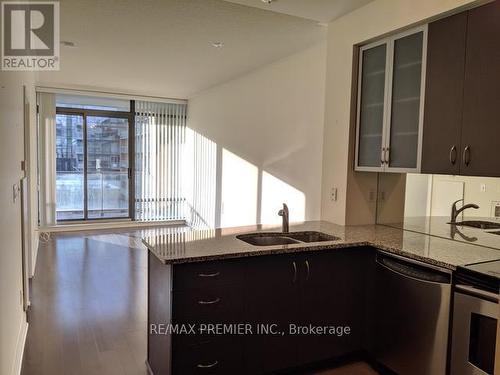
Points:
(483, 294)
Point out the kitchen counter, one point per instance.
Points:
(183, 245)
(438, 226)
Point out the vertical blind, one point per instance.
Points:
(160, 135)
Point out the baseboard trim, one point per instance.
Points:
(21, 343)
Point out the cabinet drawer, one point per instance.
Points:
(215, 305)
(208, 275)
(211, 356)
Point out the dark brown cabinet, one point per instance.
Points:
(441, 146)
(271, 303)
(332, 293)
(462, 106)
(277, 293)
(481, 115)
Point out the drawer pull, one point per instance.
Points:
(215, 274)
(212, 302)
(215, 363)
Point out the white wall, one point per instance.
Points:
(12, 317)
(268, 128)
(371, 21)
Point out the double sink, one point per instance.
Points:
(285, 238)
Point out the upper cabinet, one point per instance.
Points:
(481, 114)
(390, 96)
(462, 106)
(444, 95)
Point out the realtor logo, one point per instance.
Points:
(30, 35)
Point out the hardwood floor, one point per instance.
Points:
(88, 313)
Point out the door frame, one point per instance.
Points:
(130, 116)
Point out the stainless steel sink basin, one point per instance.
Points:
(266, 239)
(311, 236)
(279, 238)
(478, 224)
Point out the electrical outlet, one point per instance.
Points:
(333, 194)
(381, 196)
(495, 209)
(15, 192)
(371, 196)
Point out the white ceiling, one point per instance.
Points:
(163, 47)
(318, 10)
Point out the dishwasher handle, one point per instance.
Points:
(413, 270)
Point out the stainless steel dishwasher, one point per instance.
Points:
(410, 316)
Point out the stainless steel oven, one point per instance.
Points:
(475, 319)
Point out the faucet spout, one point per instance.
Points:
(285, 218)
(456, 211)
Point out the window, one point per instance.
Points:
(93, 158)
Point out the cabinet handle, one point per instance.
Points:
(466, 156)
(215, 363)
(215, 274)
(212, 302)
(308, 269)
(294, 272)
(453, 155)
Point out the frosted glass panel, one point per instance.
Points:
(406, 101)
(371, 119)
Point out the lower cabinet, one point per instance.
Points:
(301, 308)
(332, 294)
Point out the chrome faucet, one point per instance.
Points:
(284, 214)
(456, 211)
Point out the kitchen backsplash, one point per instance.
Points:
(417, 195)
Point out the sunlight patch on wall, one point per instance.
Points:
(239, 191)
(275, 192)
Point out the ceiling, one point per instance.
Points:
(164, 47)
(317, 10)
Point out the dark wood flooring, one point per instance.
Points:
(88, 313)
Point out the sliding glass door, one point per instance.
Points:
(94, 179)
(70, 189)
(107, 167)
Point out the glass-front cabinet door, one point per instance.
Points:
(371, 104)
(406, 103)
(390, 103)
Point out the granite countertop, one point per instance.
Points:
(183, 245)
(438, 226)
